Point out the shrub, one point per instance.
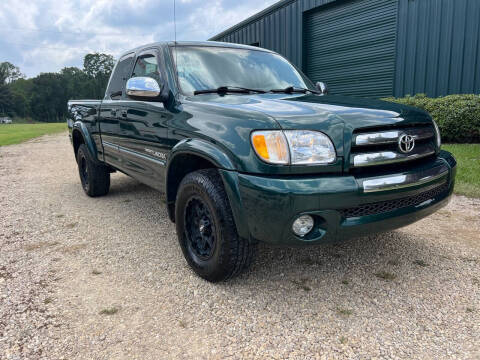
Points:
(457, 116)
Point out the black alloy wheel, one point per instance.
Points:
(199, 228)
(83, 169)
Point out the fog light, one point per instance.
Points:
(303, 225)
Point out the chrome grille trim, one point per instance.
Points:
(386, 146)
(387, 157)
(388, 137)
(400, 181)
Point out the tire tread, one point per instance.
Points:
(240, 251)
(99, 174)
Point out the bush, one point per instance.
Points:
(457, 116)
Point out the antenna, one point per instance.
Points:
(175, 30)
(175, 20)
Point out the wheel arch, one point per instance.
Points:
(80, 135)
(187, 156)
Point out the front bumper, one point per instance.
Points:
(342, 206)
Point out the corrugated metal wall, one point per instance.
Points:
(279, 30)
(351, 47)
(437, 46)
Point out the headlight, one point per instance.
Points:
(310, 147)
(437, 134)
(295, 147)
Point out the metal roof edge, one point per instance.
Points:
(252, 18)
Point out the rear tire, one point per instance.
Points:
(95, 177)
(206, 229)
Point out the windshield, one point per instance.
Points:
(204, 68)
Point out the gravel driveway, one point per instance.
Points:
(104, 278)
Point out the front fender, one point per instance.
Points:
(87, 138)
(227, 170)
(204, 149)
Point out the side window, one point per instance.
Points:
(146, 65)
(120, 74)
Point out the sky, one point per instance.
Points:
(48, 35)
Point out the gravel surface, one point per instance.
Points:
(104, 278)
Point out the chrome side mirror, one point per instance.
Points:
(143, 87)
(322, 88)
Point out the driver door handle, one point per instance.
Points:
(124, 113)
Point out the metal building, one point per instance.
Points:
(373, 48)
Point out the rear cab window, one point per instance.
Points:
(116, 86)
(146, 65)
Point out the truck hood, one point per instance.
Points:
(336, 116)
(300, 111)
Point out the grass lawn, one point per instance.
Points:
(17, 133)
(468, 168)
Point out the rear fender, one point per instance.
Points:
(87, 139)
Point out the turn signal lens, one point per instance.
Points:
(271, 146)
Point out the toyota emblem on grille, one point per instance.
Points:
(406, 143)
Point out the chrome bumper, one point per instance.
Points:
(404, 180)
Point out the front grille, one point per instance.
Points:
(381, 147)
(391, 205)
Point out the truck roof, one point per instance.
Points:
(195, 43)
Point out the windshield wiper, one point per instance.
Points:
(291, 90)
(229, 89)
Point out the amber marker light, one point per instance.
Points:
(271, 146)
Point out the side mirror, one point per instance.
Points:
(322, 88)
(143, 88)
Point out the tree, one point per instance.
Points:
(9, 73)
(45, 96)
(98, 67)
(77, 84)
(48, 100)
(6, 100)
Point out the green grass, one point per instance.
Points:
(17, 133)
(21, 120)
(468, 168)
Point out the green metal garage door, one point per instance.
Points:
(351, 46)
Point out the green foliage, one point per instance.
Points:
(6, 101)
(48, 98)
(44, 97)
(458, 116)
(98, 67)
(9, 73)
(17, 133)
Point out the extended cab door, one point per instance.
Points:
(143, 141)
(111, 108)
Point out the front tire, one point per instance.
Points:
(206, 229)
(95, 177)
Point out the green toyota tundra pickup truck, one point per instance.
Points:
(244, 148)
